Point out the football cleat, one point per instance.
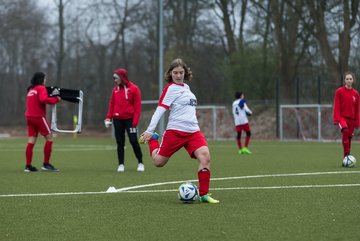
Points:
(49, 167)
(207, 199)
(29, 168)
(245, 150)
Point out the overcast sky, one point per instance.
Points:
(45, 3)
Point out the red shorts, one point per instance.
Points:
(347, 123)
(36, 125)
(245, 127)
(174, 140)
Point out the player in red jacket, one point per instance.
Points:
(36, 122)
(346, 111)
(124, 111)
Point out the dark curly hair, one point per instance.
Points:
(37, 79)
(176, 63)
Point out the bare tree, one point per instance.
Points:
(107, 30)
(347, 12)
(245, 46)
(21, 40)
(243, 12)
(61, 41)
(261, 12)
(286, 26)
(181, 23)
(227, 9)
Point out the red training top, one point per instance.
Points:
(125, 101)
(346, 104)
(36, 101)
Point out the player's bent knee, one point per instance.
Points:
(49, 137)
(204, 158)
(159, 162)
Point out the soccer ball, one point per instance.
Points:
(349, 161)
(188, 192)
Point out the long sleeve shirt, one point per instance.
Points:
(36, 101)
(181, 102)
(346, 104)
(125, 103)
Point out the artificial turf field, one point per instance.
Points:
(284, 191)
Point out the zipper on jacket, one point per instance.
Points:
(126, 90)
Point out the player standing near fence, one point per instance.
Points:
(36, 100)
(124, 111)
(182, 128)
(240, 112)
(346, 111)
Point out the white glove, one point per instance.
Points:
(107, 123)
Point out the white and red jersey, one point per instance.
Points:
(346, 104)
(36, 101)
(240, 111)
(181, 103)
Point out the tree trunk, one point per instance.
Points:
(229, 32)
(336, 69)
(61, 53)
(286, 24)
(242, 21)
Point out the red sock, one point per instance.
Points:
(29, 153)
(204, 181)
(239, 144)
(247, 140)
(345, 141)
(350, 144)
(47, 151)
(153, 144)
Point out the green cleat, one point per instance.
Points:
(207, 199)
(241, 152)
(245, 150)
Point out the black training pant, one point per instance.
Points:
(120, 127)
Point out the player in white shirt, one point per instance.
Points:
(240, 112)
(182, 128)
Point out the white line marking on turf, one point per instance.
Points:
(50, 194)
(130, 189)
(285, 187)
(255, 188)
(241, 177)
(65, 148)
(175, 190)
